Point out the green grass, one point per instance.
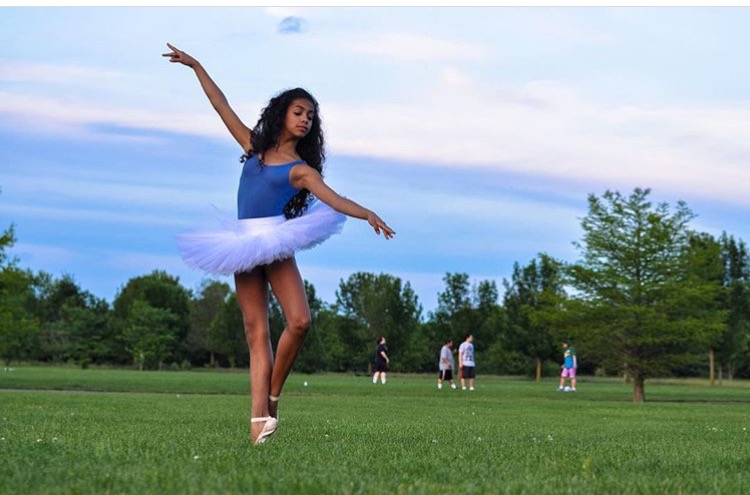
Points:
(187, 433)
(113, 380)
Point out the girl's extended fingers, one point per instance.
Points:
(175, 54)
(387, 231)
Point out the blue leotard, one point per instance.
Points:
(264, 189)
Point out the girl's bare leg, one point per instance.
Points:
(286, 283)
(252, 297)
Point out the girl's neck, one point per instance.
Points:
(287, 147)
(282, 152)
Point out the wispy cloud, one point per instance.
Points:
(53, 257)
(95, 215)
(144, 192)
(542, 128)
(74, 117)
(17, 71)
(548, 129)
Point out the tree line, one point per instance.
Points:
(648, 297)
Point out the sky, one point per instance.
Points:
(476, 133)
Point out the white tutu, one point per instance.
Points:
(239, 245)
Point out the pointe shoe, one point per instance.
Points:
(268, 429)
(275, 401)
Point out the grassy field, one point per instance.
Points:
(65, 430)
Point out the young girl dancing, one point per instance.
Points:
(277, 216)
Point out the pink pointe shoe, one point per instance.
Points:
(268, 429)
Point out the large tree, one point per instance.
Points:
(533, 299)
(89, 330)
(633, 287)
(470, 309)
(488, 314)
(454, 316)
(18, 325)
(314, 355)
(75, 324)
(705, 272)
(159, 291)
(19, 328)
(226, 334)
(53, 302)
(204, 309)
(148, 334)
(378, 305)
(733, 346)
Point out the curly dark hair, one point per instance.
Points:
(311, 148)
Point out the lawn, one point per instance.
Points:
(64, 430)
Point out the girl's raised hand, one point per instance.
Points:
(179, 56)
(379, 225)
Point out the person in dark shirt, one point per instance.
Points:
(381, 361)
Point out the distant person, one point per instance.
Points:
(466, 362)
(381, 361)
(569, 366)
(446, 365)
(282, 165)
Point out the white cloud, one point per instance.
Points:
(52, 257)
(72, 116)
(455, 77)
(14, 71)
(540, 128)
(135, 192)
(52, 214)
(548, 129)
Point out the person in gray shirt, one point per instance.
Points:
(446, 365)
(466, 362)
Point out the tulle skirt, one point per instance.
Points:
(240, 245)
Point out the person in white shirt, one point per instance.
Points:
(466, 362)
(446, 364)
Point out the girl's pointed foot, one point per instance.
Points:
(269, 428)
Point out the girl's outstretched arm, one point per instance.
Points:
(236, 127)
(306, 177)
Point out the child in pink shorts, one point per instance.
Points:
(570, 363)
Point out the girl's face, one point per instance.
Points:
(299, 117)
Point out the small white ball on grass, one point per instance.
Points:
(305, 384)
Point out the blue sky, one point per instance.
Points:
(477, 133)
